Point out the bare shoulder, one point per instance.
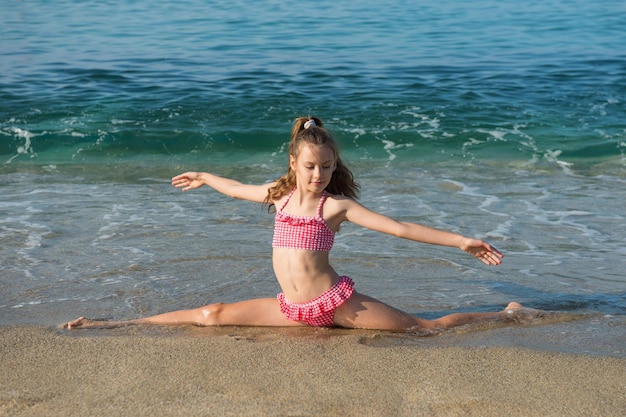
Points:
(339, 200)
(279, 201)
(338, 206)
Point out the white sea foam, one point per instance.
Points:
(390, 147)
(26, 148)
(553, 156)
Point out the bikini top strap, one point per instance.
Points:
(282, 207)
(321, 203)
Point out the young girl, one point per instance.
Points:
(312, 200)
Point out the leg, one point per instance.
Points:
(362, 311)
(257, 312)
(513, 313)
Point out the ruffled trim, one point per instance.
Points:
(324, 303)
(298, 220)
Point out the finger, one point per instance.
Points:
(182, 178)
(495, 251)
(180, 183)
(489, 258)
(495, 260)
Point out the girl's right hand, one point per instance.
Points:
(188, 181)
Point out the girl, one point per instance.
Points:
(312, 200)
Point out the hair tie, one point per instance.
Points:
(309, 123)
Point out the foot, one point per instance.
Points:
(85, 323)
(517, 312)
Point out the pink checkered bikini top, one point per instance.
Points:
(302, 232)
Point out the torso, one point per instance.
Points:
(301, 246)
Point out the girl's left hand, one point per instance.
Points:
(483, 251)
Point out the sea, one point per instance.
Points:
(498, 119)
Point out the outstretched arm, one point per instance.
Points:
(232, 188)
(364, 217)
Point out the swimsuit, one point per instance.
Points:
(310, 233)
(302, 232)
(320, 311)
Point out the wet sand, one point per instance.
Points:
(310, 372)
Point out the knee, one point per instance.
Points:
(210, 315)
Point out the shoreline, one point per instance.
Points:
(238, 371)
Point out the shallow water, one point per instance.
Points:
(82, 245)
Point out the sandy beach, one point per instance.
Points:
(311, 372)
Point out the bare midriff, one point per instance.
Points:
(303, 274)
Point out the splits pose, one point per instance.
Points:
(311, 200)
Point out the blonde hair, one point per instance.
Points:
(342, 181)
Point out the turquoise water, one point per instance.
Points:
(496, 119)
(82, 81)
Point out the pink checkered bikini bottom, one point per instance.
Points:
(320, 311)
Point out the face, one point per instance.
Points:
(314, 167)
